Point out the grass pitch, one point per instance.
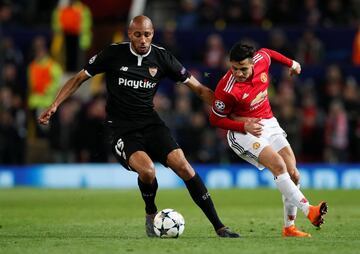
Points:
(112, 221)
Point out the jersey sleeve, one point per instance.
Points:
(223, 102)
(175, 70)
(222, 106)
(276, 56)
(99, 63)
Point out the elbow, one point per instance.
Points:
(213, 120)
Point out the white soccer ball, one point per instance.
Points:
(168, 223)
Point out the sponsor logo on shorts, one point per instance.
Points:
(256, 145)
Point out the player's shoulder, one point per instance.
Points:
(157, 47)
(118, 46)
(158, 50)
(262, 54)
(113, 49)
(226, 83)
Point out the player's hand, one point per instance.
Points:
(253, 126)
(45, 116)
(295, 68)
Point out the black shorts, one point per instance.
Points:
(155, 140)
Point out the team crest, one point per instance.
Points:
(153, 71)
(263, 77)
(256, 145)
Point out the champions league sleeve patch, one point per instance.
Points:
(183, 71)
(219, 106)
(92, 59)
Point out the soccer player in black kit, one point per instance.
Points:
(133, 70)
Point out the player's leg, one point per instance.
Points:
(272, 160)
(129, 151)
(148, 185)
(198, 191)
(257, 151)
(280, 144)
(275, 163)
(290, 210)
(140, 162)
(277, 139)
(168, 152)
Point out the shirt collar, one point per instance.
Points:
(135, 54)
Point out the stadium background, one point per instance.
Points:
(320, 109)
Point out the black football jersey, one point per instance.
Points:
(132, 80)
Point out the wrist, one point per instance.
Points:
(294, 65)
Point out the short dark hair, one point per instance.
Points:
(241, 51)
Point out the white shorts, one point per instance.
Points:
(249, 147)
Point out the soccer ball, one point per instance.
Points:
(168, 223)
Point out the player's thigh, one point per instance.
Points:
(140, 162)
(125, 145)
(247, 147)
(272, 160)
(178, 163)
(159, 143)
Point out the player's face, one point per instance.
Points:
(242, 70)
(141, 37)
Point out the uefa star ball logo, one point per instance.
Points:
(219, 105)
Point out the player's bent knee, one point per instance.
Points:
(277, 166)
(295, 177)
(147, 174)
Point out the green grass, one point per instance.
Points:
(112, 221)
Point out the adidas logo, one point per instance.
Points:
(245, 95)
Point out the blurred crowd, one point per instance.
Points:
(265, 13)
(319, 110)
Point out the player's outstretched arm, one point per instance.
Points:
(294, 67)
(205, 93)
(66, 91)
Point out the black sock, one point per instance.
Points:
(148, 193)
(202, 198)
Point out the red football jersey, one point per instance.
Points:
(248, 98)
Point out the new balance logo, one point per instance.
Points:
(124, 68)
(245, 95)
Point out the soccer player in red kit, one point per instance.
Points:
(242, 106)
